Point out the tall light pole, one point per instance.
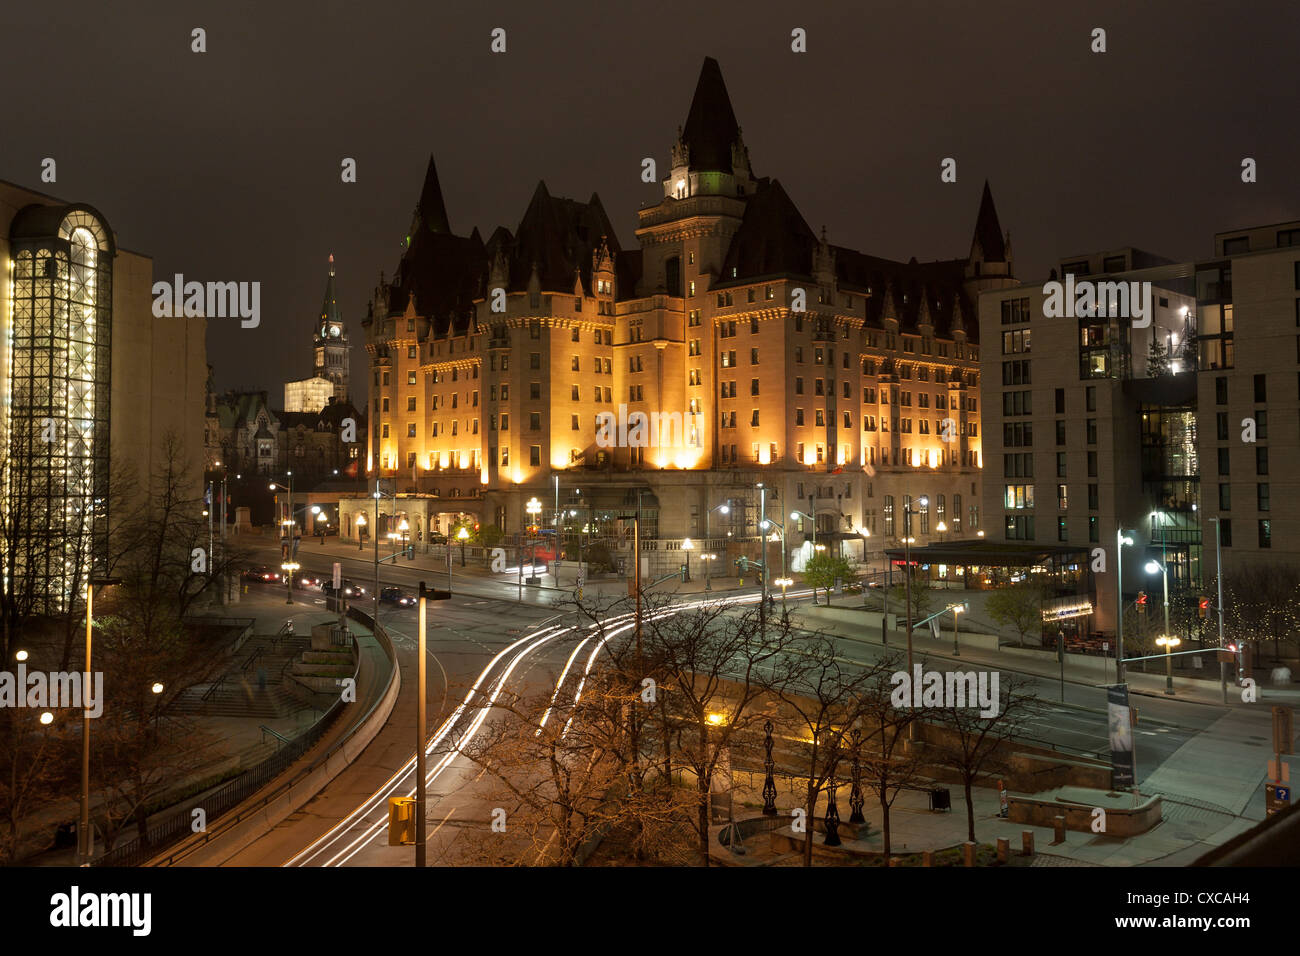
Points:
(83, 828)
(1121, 539)
(420, 725)
(708, 544)
(1151, 568)
(1169, 642)
(762, 521)
(779, 529)
(907, 571)
(1218, 574)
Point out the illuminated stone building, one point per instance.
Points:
(757, 350)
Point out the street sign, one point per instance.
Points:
(1277, 797)
(582, 576)
(338, 576)
(1283, 730)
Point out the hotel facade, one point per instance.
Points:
(731, 347)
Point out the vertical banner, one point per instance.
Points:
(1121, 737)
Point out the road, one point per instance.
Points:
(485, 638)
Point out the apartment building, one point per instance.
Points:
(1155, 425)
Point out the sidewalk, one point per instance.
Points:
(1080, 669)
(436, 564)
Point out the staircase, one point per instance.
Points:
(238, 693)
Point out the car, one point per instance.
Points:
(305, 580)
(262, 573)
(436, 538)
(397, 596)
(349, 589)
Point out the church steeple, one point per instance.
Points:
(330, 343)
(329, 310)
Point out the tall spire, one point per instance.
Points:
(711, 127)
(988, 243)
(329, 311)
(430, 211)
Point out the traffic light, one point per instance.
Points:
(743, 563)
(1202, 607)
(1141, 602)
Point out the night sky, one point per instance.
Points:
(225, 165)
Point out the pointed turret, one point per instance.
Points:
(430, 211)
(988, 244)
(711, 125)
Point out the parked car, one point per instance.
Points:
(262, 573)
(397, 596)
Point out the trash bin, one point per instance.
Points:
(940, 799)
(401, 821)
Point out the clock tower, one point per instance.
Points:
(332, 351)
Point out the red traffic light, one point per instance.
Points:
(1205, 603)
(1142, 599)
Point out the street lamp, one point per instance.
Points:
(83, 828)
(942, 528)
(1168, 642)
(404, 529)
(361, 531)
(289, 567)
(462, 536)
(779, 529)
(1121, 539)
(534, 508)
(796, 515)
(924, 502)
(708, 543)
(687, 545)
(956, 610)
(1151, 568)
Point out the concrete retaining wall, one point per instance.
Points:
(227, 843)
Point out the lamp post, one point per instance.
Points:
(1218, 575)
(1121, 539)
(708, 544)
(687, 545)
(924, 502)
(956, 610)
(156, 688)
(289, 567)
(361, 530)
(405, 529)
(462, 536)
(942, 528)
(83, 827)
(1151, 568)
(779, 528)
(1168, 642)
(534, 508)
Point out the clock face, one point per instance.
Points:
(334, 331)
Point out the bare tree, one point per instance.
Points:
(973, 744)
(717, 664)
(35, 769)
(826, 698)
(889, 765)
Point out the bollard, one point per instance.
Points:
(1058, 826)
(968, 851)
(1004, 849)
(927, 858)
(1026, 842)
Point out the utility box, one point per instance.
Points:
(401, 821)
